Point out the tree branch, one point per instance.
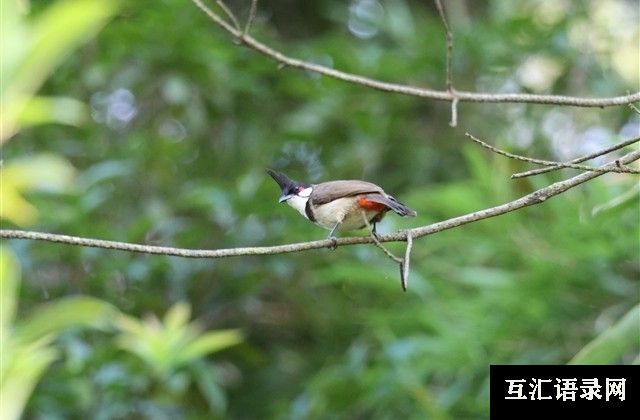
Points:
(531, 199)
(449, 77)
(462, 96)
(449, 39)
(229, 13)
(403, 263)
(252, 16)
(378, 243)
(552, 164)
(578, 160)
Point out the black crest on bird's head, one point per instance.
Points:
(287, 185)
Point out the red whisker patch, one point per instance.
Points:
(370, 205)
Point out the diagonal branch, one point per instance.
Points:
(578, 160)
(461, 96)
(531, 199)
(229, 13)
(377, 242)
(403, 263)
(251, 18)
(552, 164)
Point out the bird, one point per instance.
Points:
(339, 205)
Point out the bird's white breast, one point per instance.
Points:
(345, 210)
(299, 202)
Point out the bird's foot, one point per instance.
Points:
(332, 237)
(374, 233)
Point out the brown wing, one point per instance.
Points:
(391, 203)
(332, 190)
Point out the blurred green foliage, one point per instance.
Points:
(183, 123)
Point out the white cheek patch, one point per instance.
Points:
(305, 193)
(298, 203)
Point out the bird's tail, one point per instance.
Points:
(392, 203)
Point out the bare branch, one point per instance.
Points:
(252, 16)
(449, 38)
(389, 254)
(284, 60)
(531, 199)
(229, 13)
(556, 165)
(377, 242)
(578, 160)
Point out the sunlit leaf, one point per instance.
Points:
(61, 110)
(210, 342)
(53, 317)
(177, 316)
(40, 172)
(32, 50)
(22, 366)
(9, 283)
(613, 342)
(174, 343)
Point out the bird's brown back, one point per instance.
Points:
(328, 191)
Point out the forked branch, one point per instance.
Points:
(459, 96)
(552, 165)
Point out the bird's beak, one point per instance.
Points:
(284, 198)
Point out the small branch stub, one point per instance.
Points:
(404, 266)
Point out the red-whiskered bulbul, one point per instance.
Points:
(339, 205)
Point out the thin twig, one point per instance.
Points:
(401, 262)
(555, 165)
(251, 18)
(284, 60)
(377, 242)
(229, 14)
(449, 37)
(635, 108)
(404, 266)
(578, 160)
(449, 67)
(531, 199)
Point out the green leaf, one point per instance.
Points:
(43, 44)
(38, 172)
(9, 283)
(177, 316)
(210, 342)
(22, 366)
(613, 342)
(65, 313)
(169, 345)
(61, 110)
(207, 381)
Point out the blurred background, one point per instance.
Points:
(143, 122)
